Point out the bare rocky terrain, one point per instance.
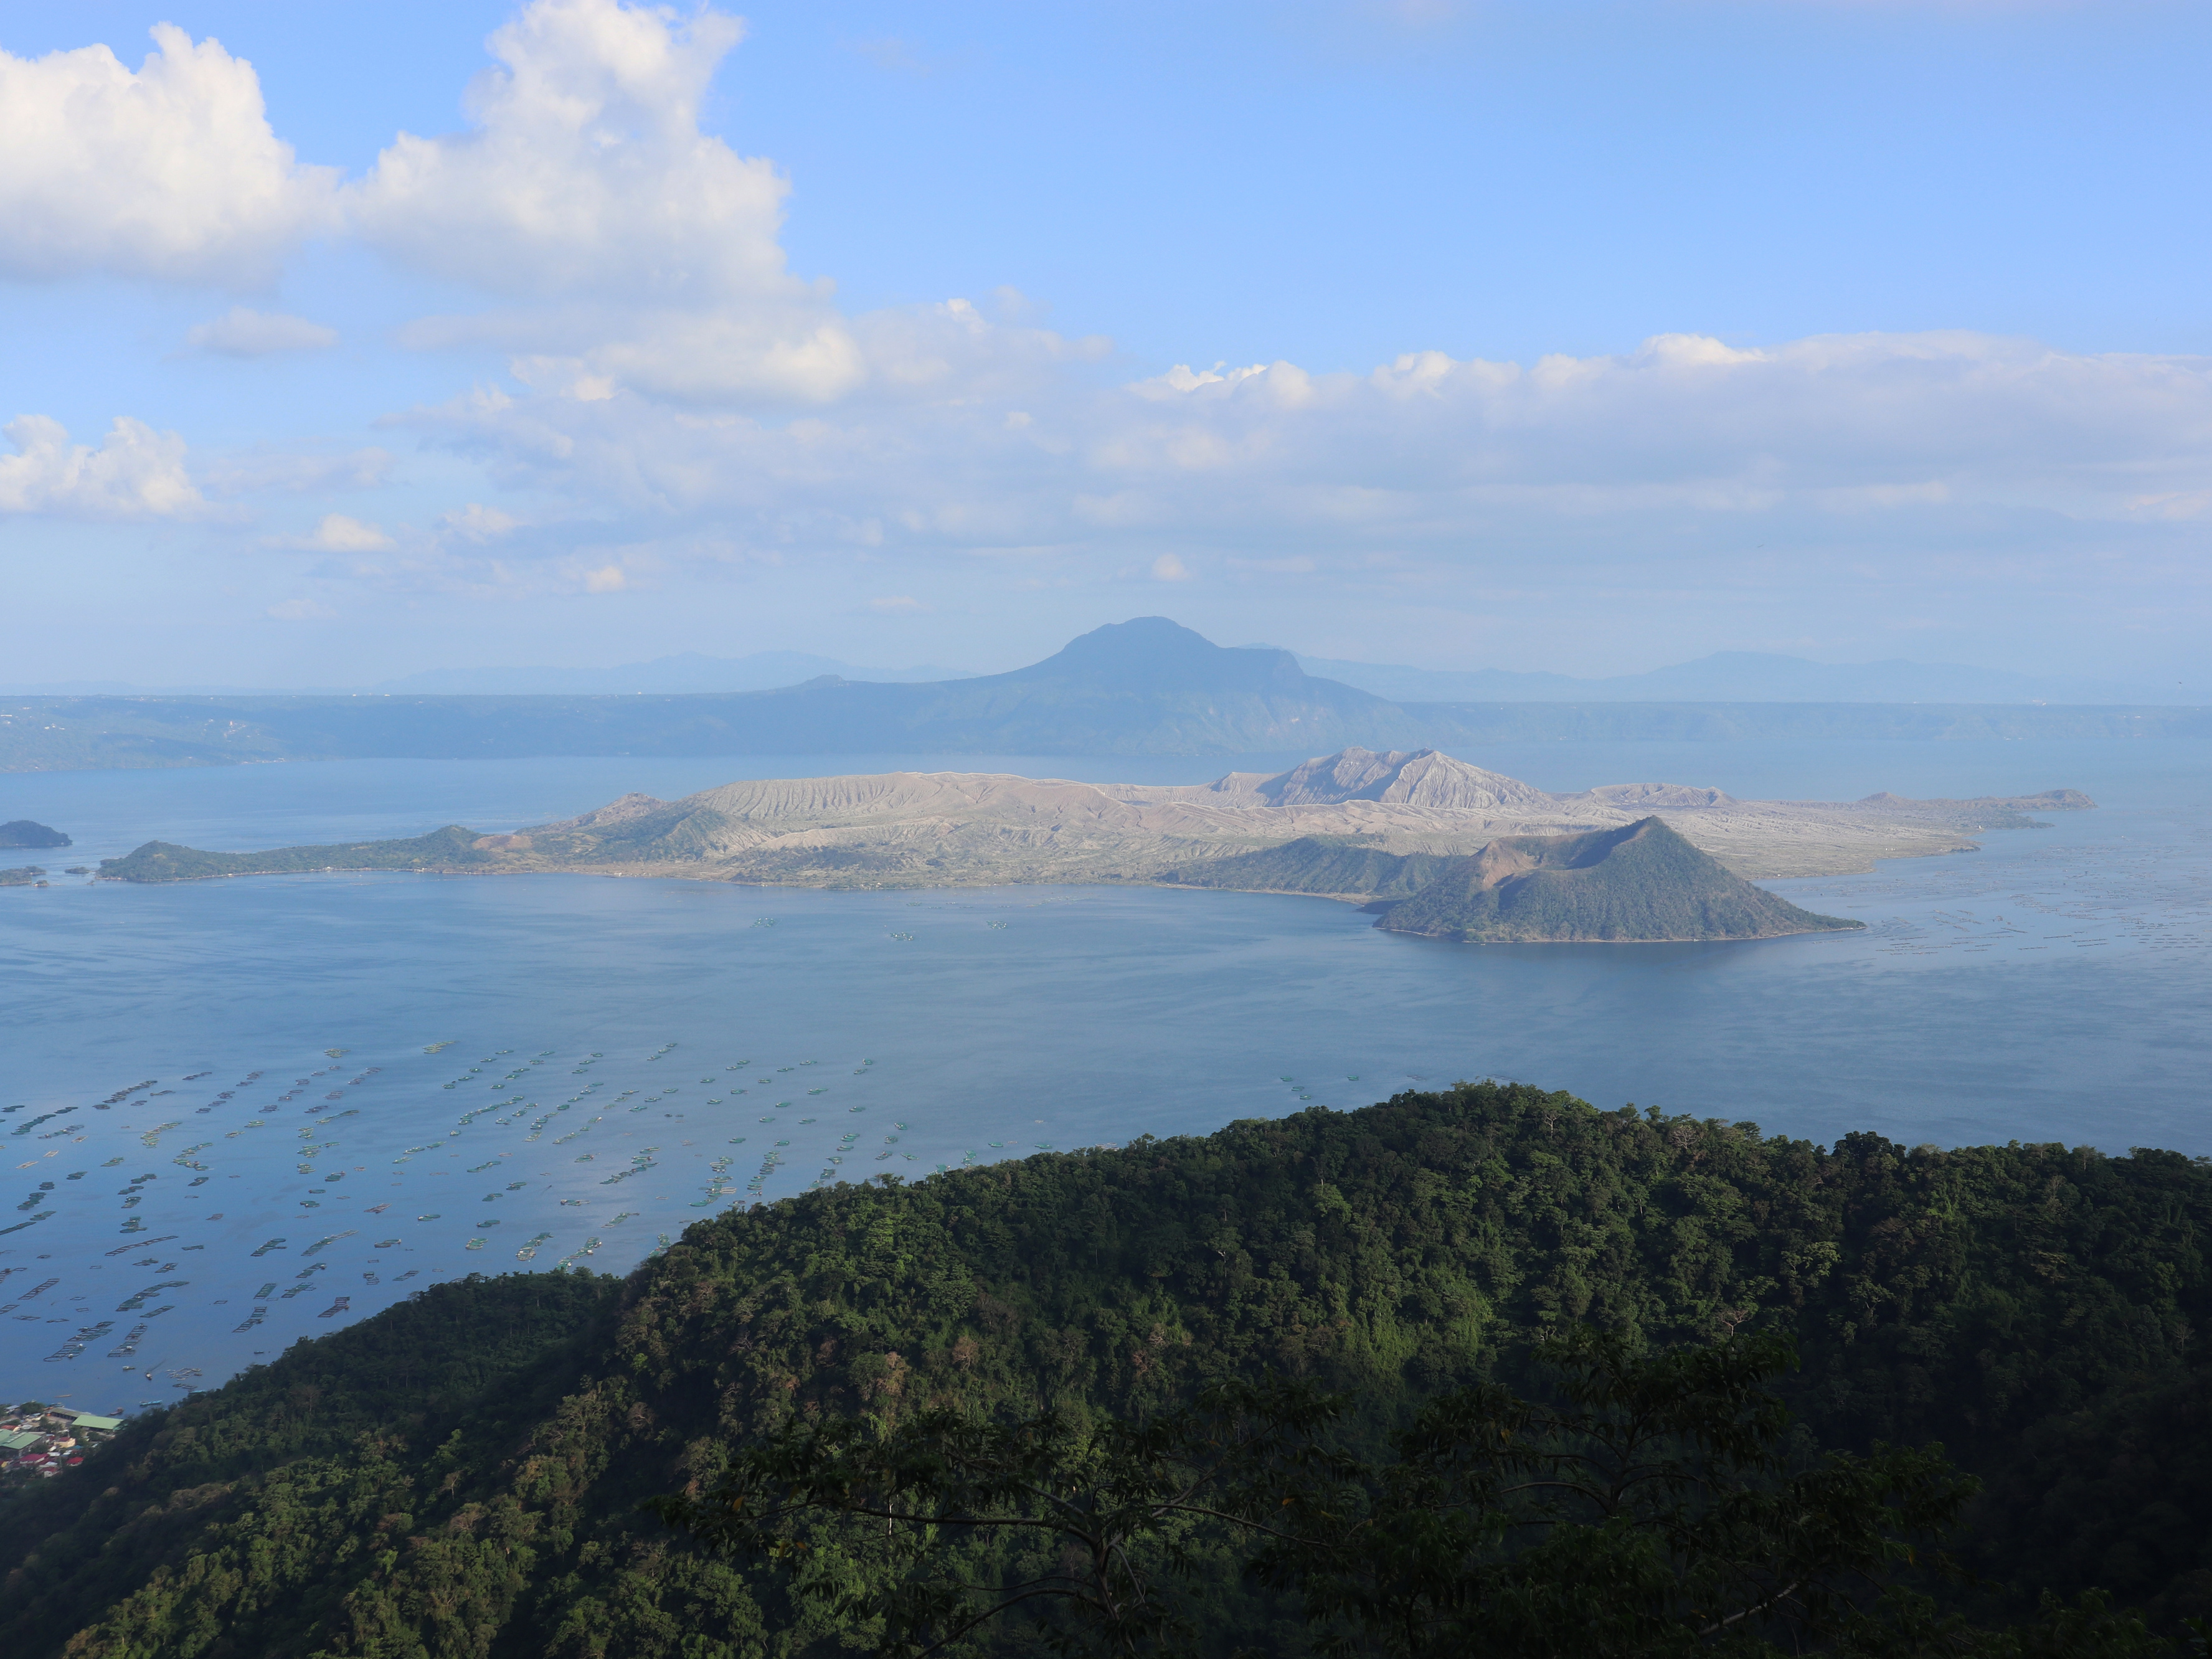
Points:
(939, 829)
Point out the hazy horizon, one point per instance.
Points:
(1587, 340)
(1718, 676)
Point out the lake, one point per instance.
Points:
(242, 1112)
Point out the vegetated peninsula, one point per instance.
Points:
(464, 1471)
(24, 832)
(450, 848)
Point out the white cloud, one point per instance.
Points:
(241, 332)
(302, 611)
(630, 250)
(636, 252)
(136, 473)
(585, 172)
(1425, 463)
(170, 172)
(477, 523)
(338, 534)
(2174, 504)
(644, 252)
(683, 392)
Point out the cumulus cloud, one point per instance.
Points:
(242, 332)
(134, 473)
(1836, 423)
(628, 250)
(1427, 447)
(644, 250)
(169, 172)
(477, 523)
(635, 252)
(1708, 493)
(683, 396)
(336, 533)
(585, 170)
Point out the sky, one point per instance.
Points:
(347, 341)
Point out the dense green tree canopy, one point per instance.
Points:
(464, 1475)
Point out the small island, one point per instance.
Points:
(1639, 883)
(1454, 851)
(29, 875)
(22, 832)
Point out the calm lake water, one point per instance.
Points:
(237, 1113)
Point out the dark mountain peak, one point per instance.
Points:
(1154, 654)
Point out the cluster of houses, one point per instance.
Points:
(44, 1440)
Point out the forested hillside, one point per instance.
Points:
(463, 1475)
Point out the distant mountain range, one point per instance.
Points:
(1144, 687)
(1724, 677)
(688, 672)
(1748, 677)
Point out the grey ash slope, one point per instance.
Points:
(1640, 883)
(1334, 825)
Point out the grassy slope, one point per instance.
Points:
(1315, 864)
(1974, 1296)
(1640, 882)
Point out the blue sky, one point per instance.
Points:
(1572, 335)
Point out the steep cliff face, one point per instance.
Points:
(1423, 777)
